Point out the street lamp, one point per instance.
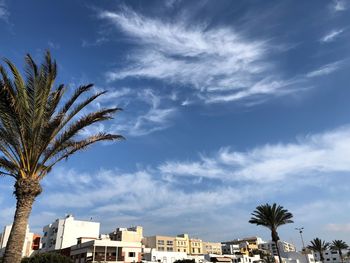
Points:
(300, 229)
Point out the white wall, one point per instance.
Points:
(64, 233)
(27, 245)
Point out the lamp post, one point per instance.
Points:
(300, 229)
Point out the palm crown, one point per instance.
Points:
(271, 216)
(35, 133)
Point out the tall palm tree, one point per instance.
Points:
(271, 216)
(38, 128)
(318, 245)
(339, 245)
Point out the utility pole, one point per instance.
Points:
(300, 229)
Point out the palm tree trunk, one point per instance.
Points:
(341, 256)
(278, 252)
(25, 191)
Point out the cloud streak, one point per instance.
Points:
(219, 64)
(332, 36)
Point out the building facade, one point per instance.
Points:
(330, 256)
(64, 233)
(245, 245)
(106, 250)
(212, 248)
(182, 243)
(152, 255)
(283, 246)
(30, 243)
(130, 234)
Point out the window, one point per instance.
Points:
(169, 243)
(160, 242)
(131, 254)
(169, 249)
(161, 248)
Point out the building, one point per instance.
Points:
(212, 248)
(245, 245)
(131, 234)
(330, 256)
(297, 257)
(152, 255)
(230, 249)
(232, 258)
(64, 233)
(30, 243)
(160, 243)
(282, 245)
(182, 243)
(105, 250)
(196, 246)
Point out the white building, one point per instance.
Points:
(105, 250)
(232, 258)
(282, 245)
(152, 255)
(297, 257)
(330, 256)
(64, 233)
(27, 246)
(229, 248)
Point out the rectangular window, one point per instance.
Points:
(161, 248)
(160, 242)
(169, 243)
(169, 249)
(131, 254)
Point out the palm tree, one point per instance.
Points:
(38, 128)
(272, 216)
(319, 246)
(339, 245)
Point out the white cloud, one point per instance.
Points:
(325, 70)
(339, 5)
(144, 112)
(339, 227)
(321, 154)
(4, 13)
(213, 62)
(155, 118)
(331, 36)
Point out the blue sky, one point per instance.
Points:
(227, 105)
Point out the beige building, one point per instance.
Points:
(196, 246)
(212, 248)
(130, 234)
(182, 243)
(160, 243)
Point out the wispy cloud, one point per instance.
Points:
(332, 35)
(4, 13)
(145, 112)
(325, 70)
(220, 64)
(339, 5)
(339, 227)
(322, 153)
